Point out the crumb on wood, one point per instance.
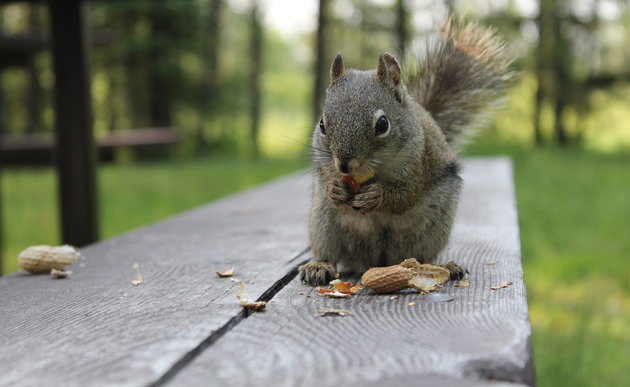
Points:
(246, 302)
(333, 312)
(225, 273)
(138, 279)
(58, 274)
(394, 297)
(462, 284)
(339, 289)
(411, 304)
(502, 285)
(253, 305)
(491, 263)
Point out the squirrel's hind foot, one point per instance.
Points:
(317, 273)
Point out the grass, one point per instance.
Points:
(131, 195)
(574, 209)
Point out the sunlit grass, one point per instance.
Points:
(574, 211)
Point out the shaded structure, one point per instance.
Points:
(74, 151)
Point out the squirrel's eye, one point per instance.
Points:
(322, 128)
(381, 128)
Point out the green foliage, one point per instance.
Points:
(574, 212)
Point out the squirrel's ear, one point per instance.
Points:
(337, 71)
(388, 69)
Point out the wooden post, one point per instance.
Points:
(74, 151)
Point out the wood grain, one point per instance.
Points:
(96, 328)
(481, 336)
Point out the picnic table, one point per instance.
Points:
(183, 326)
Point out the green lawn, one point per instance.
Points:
(131, 195)
(574, 209)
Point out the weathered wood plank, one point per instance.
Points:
(481, 336)
(95, 328)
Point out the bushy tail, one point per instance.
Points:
(460, 74)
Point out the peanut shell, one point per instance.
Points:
(388, 279)
(42, 258)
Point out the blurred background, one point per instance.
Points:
(194, 99)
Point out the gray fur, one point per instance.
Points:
(459, 75)
(407, 208)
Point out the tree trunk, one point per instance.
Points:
(209, 76)
(2, 131)
(254, 84)
(561, 69)
(544, 57)
(402, 17)
(136, 74)
(320, 60)
(538, 104)
(35, 88)
(560, 133)
(160, 95)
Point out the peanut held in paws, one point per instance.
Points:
(354, 182)
(354, 186)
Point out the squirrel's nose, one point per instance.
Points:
(343, 167)
(346, 166)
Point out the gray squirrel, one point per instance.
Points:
(386, 173)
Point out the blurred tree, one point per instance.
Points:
(2, 131)
(321, 68)
(163, 26)
(2, 107)
(256, 67)
(34, 95)
(402, 22)
(544, 51)
(134, 54)
(567, 49)
(211, 40)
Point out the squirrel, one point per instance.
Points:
(386, 172)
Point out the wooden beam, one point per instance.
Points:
(74, 154)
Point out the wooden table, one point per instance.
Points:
(183, 326)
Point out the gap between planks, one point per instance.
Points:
(232, 323)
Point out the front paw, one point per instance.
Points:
(369, 198)
(338, 193)
(317, 273)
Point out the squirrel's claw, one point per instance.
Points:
(316, 273)
(368, 199)
(338, 192)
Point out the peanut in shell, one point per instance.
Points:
(388, 279)
(409, 273)
(43, 258)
